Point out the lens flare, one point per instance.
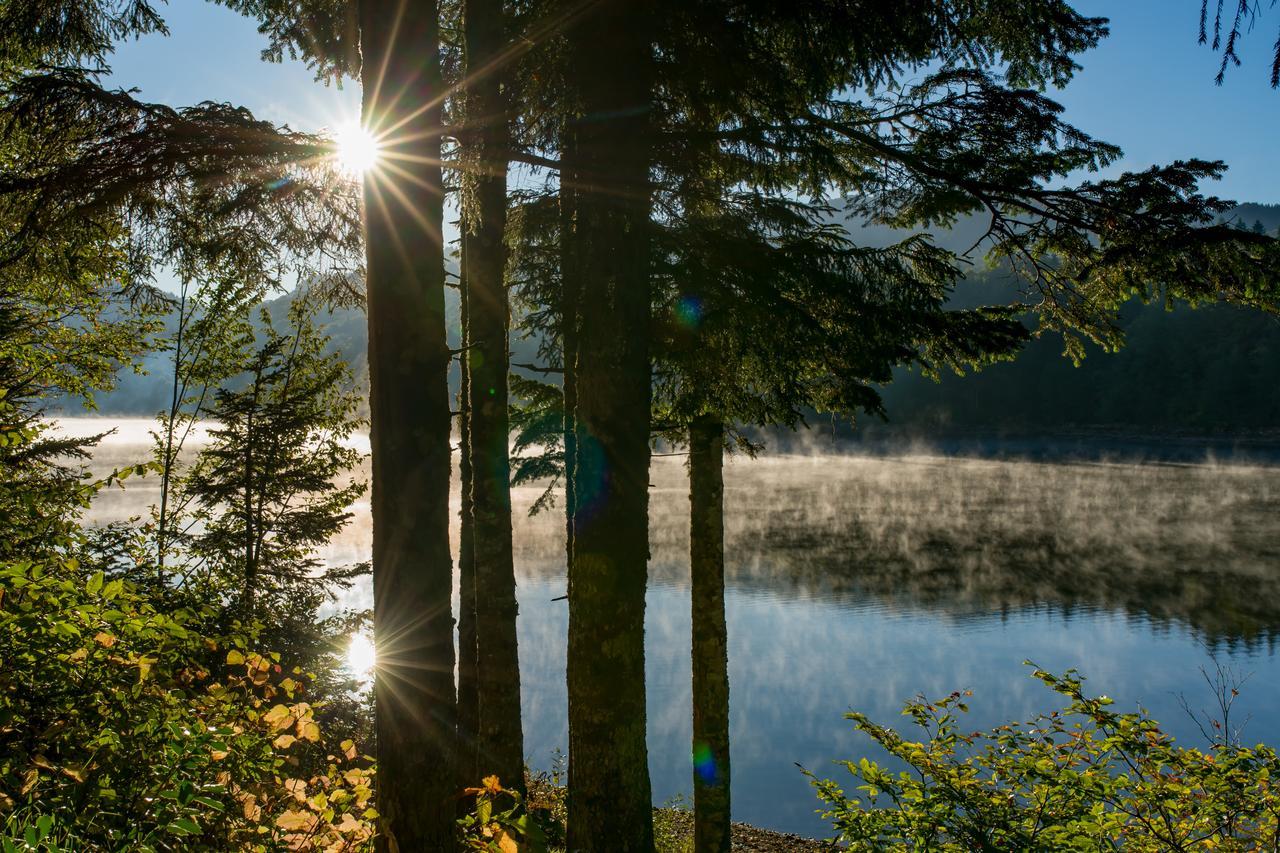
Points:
(361, 656)
(704, 764)
(356, 150)
(689, 312)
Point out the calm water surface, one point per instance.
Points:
(858, 582)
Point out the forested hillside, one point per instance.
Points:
(1216, 367)
(1209, 368)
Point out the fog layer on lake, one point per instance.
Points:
(860, 581)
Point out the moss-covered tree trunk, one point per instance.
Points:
(485, 154)
(710, 638)
(409, 428)
(605, 162)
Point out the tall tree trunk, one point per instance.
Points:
(570, 283)
(468, 691)
(409, 427)
(606, 164)
(484, 217)
(710, 638)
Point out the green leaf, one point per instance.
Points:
(184, 826)
(94, 584)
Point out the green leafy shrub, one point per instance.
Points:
(123, 727)
(1082, 778)
(500, 822)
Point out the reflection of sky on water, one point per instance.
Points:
(795, 669)
(859, 582)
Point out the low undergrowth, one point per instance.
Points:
(1083, 777)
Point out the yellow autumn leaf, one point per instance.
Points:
(251, 809)
(348, 749)
(505, 842)
(298, 788)
(234, 658)
(279, 717)
(104, 639)
(308, 730)
(76, 772)
(293, 821)
(284, 741)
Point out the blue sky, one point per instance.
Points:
(1149, 88)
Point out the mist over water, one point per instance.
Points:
(860, 581)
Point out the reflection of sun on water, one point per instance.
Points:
(356, 149)
(361, 657)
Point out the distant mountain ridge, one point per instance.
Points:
(1207, 369)
(1214, 368)
(1249, 214)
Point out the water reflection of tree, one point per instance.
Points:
(1221, 601)
(1187, 546)
(1171, 545)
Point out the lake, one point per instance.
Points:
(858, 581)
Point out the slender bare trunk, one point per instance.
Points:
(710, 638)
(250, 564)
(606, 164)
(166, 472)
(409, 427)
(485, 152)
(468, 691)
(570, 283)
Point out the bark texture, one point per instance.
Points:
(711, 829)
(409, 428)
(605, 165)
(485, 153)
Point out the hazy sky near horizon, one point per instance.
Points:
(1149, 88)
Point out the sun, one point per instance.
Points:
(356, 149)
(361, 656)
